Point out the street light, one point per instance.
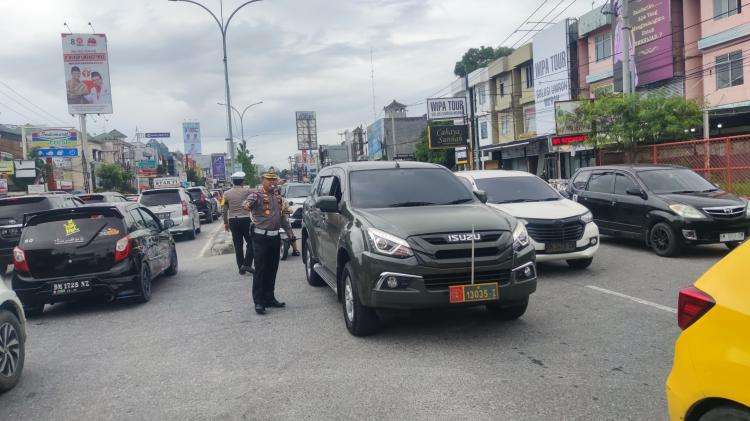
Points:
(719, 126)
(223, 26)
(241, 115)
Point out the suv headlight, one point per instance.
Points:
(687, 211)
(388, 244)
(587, 217)
(520, 237)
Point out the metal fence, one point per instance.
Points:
(724, 161)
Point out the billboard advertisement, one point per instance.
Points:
(446, 108)
(191, 137)
(307, 130)
(375, 140)
(164, 182)
(568, 120)
(87, 73)
(54, 138)
(447, 137)
(551, 74)
(218, 167)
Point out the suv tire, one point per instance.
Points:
(144, 284)
(10, 331)
(580, 263)
(360, 320)
(173, 263)
(508, 311)
(664, 241)
(312, 278)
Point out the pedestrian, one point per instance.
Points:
(270, 215)
(237, 220)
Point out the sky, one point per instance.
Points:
(165, 61)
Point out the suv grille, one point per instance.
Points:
(444, 280)
(551, 231)
(442, 239)
(435, 248)
(725, 211)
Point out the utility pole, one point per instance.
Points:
(471, 155)
(87, 182)
(627, 81)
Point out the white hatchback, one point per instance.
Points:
(12, 338)
(560, 229)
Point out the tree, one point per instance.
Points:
(161, 170)
(423, 153)
(630, 120)
(476, 58)
(111, 177)
(193, 177)
(245, 158)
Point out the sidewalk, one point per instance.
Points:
(219, 243)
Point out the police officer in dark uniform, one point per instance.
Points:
(237, 219)
(269, 213)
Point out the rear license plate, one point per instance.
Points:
(62, 288)
(561, 247)
(732, 236)
(473, 292)
(164, 215)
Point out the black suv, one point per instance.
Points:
(667, 206)
(207, 205)
(409, 235)
(12, 210)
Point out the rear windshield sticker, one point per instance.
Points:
(71, 227)
(68, 240)
(109, 231)
(28, 241)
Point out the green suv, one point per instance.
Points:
(407, 235)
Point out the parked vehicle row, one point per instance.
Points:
(175, 204)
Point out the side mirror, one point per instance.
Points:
(290, 203)
(327, 204)
(481, 195)
(636, 191)
(167, 224)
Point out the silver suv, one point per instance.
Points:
(177, 205)
(12, 338)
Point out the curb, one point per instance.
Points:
(219, 243)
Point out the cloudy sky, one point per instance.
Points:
(165, 61)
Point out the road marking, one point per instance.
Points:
(211, 241)
(636, 299)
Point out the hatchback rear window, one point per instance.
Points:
(12, 209)
(195, 194)
(75, 230)
(156, 198)
(93, 198)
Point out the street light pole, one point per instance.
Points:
(242, 116)
(223, 26)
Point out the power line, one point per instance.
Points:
(533, 28)
(523, 23)
(32, 103)
(29, 119)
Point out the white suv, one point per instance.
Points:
(560, 229)
(12, 338)
(177, 205)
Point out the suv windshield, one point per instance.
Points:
(675, 181)
(13, 209)
(516, 189)
(298, 191)
(401, 187)
(156, 198)
(195, 193)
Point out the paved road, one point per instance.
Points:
(198, 351)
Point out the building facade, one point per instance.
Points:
(396, 135)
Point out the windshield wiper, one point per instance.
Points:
(709, 190)
(409, 204)
(550, 199)
(519, 201)
(683, 191)
(457, 201)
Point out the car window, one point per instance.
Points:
(336, 189)
(325, 186)
(623, 183)
(517, 189)
(405, 187)
(12, 209)
(466, 183)
(140, 223)
(579, 182)
(130, 224)
(150, 221)
(76, 230)
(675, 180)
(300, 190)
(602, 182)
(156, 198)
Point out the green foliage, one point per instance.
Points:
(111, 177)
(192, 176)
(476, 58)
(628, 121)
(245, 158)
(161, 170)
(423, 153)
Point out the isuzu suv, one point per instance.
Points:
(390, 235)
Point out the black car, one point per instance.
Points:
(109, 251)
(12, 210)
(104, 197)
(205, 202)
(667, 206)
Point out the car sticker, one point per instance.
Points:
(109, 231)
(71, 227)
(28, 241)
(69, 240)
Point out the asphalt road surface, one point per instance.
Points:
(594, 345)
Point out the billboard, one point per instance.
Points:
(551, 74)
(54, 138)
(446, 108)
(447, 137)
(307, 130)
(164, 182)
(86, 68)
(375, 140)
(568, 120)
(218, 167)
(191, 137)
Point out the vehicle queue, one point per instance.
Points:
(412, 238)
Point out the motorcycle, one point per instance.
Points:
(285, 245)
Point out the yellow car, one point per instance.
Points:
(710, 377)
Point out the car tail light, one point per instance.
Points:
(184, 208)
(122, 249)
(692, 305)
(20, 264)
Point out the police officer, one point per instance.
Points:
(237, 219)
(270, 215)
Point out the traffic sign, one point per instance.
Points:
(58, 152)
(158, 134)
(146, 164)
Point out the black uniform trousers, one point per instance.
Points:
(241, 231)
(266, 265)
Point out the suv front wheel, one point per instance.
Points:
(312, 278)
(360, 320)
(664, 240)
(508, 311)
